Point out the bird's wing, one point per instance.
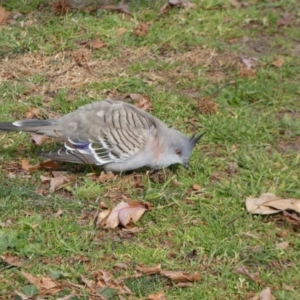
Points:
(103, 132)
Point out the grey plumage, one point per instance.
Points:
(112, 134)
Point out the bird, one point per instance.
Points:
(113, 134)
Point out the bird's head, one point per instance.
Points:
(180, 148)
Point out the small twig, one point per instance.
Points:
(64, 71)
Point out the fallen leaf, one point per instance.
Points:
(270, 204)
(61, 7)
(45, 284)
(4, 14)
(121, 31)
(124, 213)
(285, 20)
(235, 3)
(121, 265)
(141, 101)
(149, 270)
(104, 177)
(266, 294)
(141, 29)
(249, 62)
(282, 245)
(39, 139)
(58, 213)
(176, 3)
(207, 106)
(32, 113)
(95, 43)
(157, 296)
(11, 260)
(120, 8)
(291, 218)
(243, 271)
(49, 164)
(278, 62)
(196, 187)
(133, 213)
(180, 276)
(57, 182)
(26, 166)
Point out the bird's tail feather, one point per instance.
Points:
(33, 126)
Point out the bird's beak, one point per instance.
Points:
(186, 165)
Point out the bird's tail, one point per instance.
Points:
(46, 127)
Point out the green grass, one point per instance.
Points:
(171, 64)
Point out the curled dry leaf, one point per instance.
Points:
(49, 164)
(270, 204)
(57, 182)
(149, 270)
(282, 245)
(176, 3)
(11, 260)
(141, 101)
(32, 113)
(157, 296)
(38, 139)
(180, 276)
(266, 294)
(141, 29)
(120, 8)
(278, 62)
(45, 284)
(26, 166)
(124, 213)
(4, 15)
(105, 177)
(243, 271)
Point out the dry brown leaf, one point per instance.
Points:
(266, 294)
(45, 179)
(176, 3)
(121, 31)
(124, 213)
(278, 62)
(282, 245)
(104, 177)
(4, 14)
(243, 271)
(49, 164)
(285, 20)
(180, 276)
(11, 260)
(132, 214)
(61, 7)
(121, 265)
(120, 8)
(103, 279)
(149, 270)
(157, 296)
(141, 101)
(270, 204)
(58, 213)
(207, 106)
(39, 139)
(291, 218)
(26, 166)
(45, 284)
(196, 187)
(57, 182)
(96, 43)
(141, 29)
(249, 62)
(32, 113)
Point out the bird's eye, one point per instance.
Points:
(178, 152)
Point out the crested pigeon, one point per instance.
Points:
(113, 134)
